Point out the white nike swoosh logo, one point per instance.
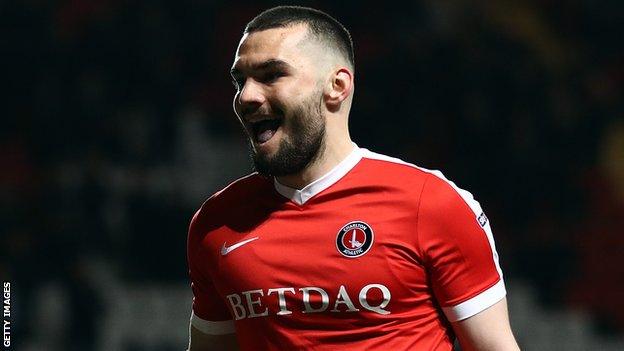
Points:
(226, 250)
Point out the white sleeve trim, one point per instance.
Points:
(476, 304)
(212, 327)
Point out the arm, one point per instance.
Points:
(200, 341)
(211, 327)
(458, 246)
(487, 330)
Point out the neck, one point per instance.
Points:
(330, 156)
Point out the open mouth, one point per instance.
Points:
(263, 130)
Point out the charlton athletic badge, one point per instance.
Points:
(354, 239)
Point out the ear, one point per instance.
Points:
(339, 88)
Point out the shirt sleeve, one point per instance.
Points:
(456, 242)
(209, 313)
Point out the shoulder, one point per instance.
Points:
(392, 175)
(224, 205)
(405, 174)
(447, 211)
(239, 190)
(442, 196)
(391, 166)
(432, 185)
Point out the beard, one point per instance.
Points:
(304, 144)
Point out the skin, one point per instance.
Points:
(302, 78)
(488, 330)
(311, 70)
(199, 341)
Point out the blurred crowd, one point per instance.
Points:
(118, 124)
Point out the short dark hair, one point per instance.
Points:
(323, 26)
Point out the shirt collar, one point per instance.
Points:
(328, 179)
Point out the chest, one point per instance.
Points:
(344, 256)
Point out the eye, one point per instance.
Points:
(238, 83)
(272, 76)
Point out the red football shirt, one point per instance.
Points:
(378, 254)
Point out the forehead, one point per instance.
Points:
(284, 43)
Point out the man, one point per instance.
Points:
(329, 245)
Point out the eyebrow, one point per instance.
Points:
(266, 65)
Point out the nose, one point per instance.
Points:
(251, 96)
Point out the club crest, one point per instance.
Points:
(354, 239)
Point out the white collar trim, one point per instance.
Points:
(330, 178)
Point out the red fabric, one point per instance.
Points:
(428, 251)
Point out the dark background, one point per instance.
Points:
(117, 124)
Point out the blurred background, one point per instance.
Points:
(118, 124)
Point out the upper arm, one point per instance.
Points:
(200, 341)
(211, 325)
(487, 330)
(457, 242)
(457, 245)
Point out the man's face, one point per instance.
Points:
(279, 99)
